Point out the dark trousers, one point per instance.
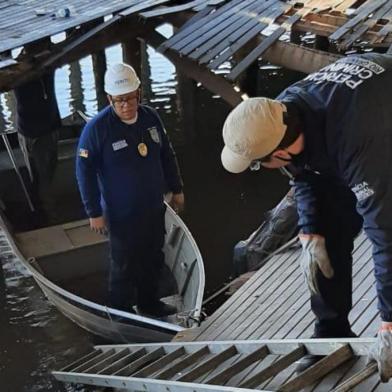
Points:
(40, 154)
(136, 260)
(341, 224)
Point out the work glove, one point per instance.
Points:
(381, 352)
(314, 256)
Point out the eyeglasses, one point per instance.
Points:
(122, 101)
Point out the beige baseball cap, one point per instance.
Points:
(252, 130)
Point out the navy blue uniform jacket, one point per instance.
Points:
(113, 177)
(347, 112)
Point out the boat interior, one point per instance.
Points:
(67, 253)
(76, 259)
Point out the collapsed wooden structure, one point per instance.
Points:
(210, 33)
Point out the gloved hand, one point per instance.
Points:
(381, 352)
(314, 256)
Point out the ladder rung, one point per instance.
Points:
(357, 378)
(107, 361)
(225, 375)
(120, 363)
(160, 363)
(78, 362)
(273, 369)
(189, 360)
(136, 365)
(81, 368)
(320, 369)
(210, 364)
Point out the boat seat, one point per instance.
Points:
(57, 239)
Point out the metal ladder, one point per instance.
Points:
(221, 366)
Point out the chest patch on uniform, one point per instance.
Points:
(154, 134)
(83, 153)
(362, 191)
(119, 145)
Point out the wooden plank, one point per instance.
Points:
(381, 35)
(191, 359)
(351, 38)
(367, 9)
(212, 28)
(172, 9)
(275, 368)
(246, 303)
(301, 324)
(189, 33)
(215, 83)
(332, 379)
(238, 42)
(46, 26)
(230, 309)
(238, 26)
(260, 49)
(237, 367)
(285, 289)
(208, 365)
(208, 3)
(160, 363)
(195, 18)
(343, 5)
(320, 369)
(367, 317)
(357, 378)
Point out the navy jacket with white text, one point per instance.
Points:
(347, 111)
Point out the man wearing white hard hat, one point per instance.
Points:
(124, 165)
(333, 131)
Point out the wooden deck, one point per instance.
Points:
(274, 304)
(22, 22)
(216, 37)
(210, 33)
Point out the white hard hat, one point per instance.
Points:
(121, 79)
(252, 130)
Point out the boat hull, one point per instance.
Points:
(53, 253)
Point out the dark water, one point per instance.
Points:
(221, 209)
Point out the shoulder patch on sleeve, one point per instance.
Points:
(154, 134)
(362, 191)
(83, 153)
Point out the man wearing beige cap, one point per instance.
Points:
(333, 131)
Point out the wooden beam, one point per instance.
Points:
(298, 58)
(212, 82)
(30, 68)
(328, 24)
(261, 48)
